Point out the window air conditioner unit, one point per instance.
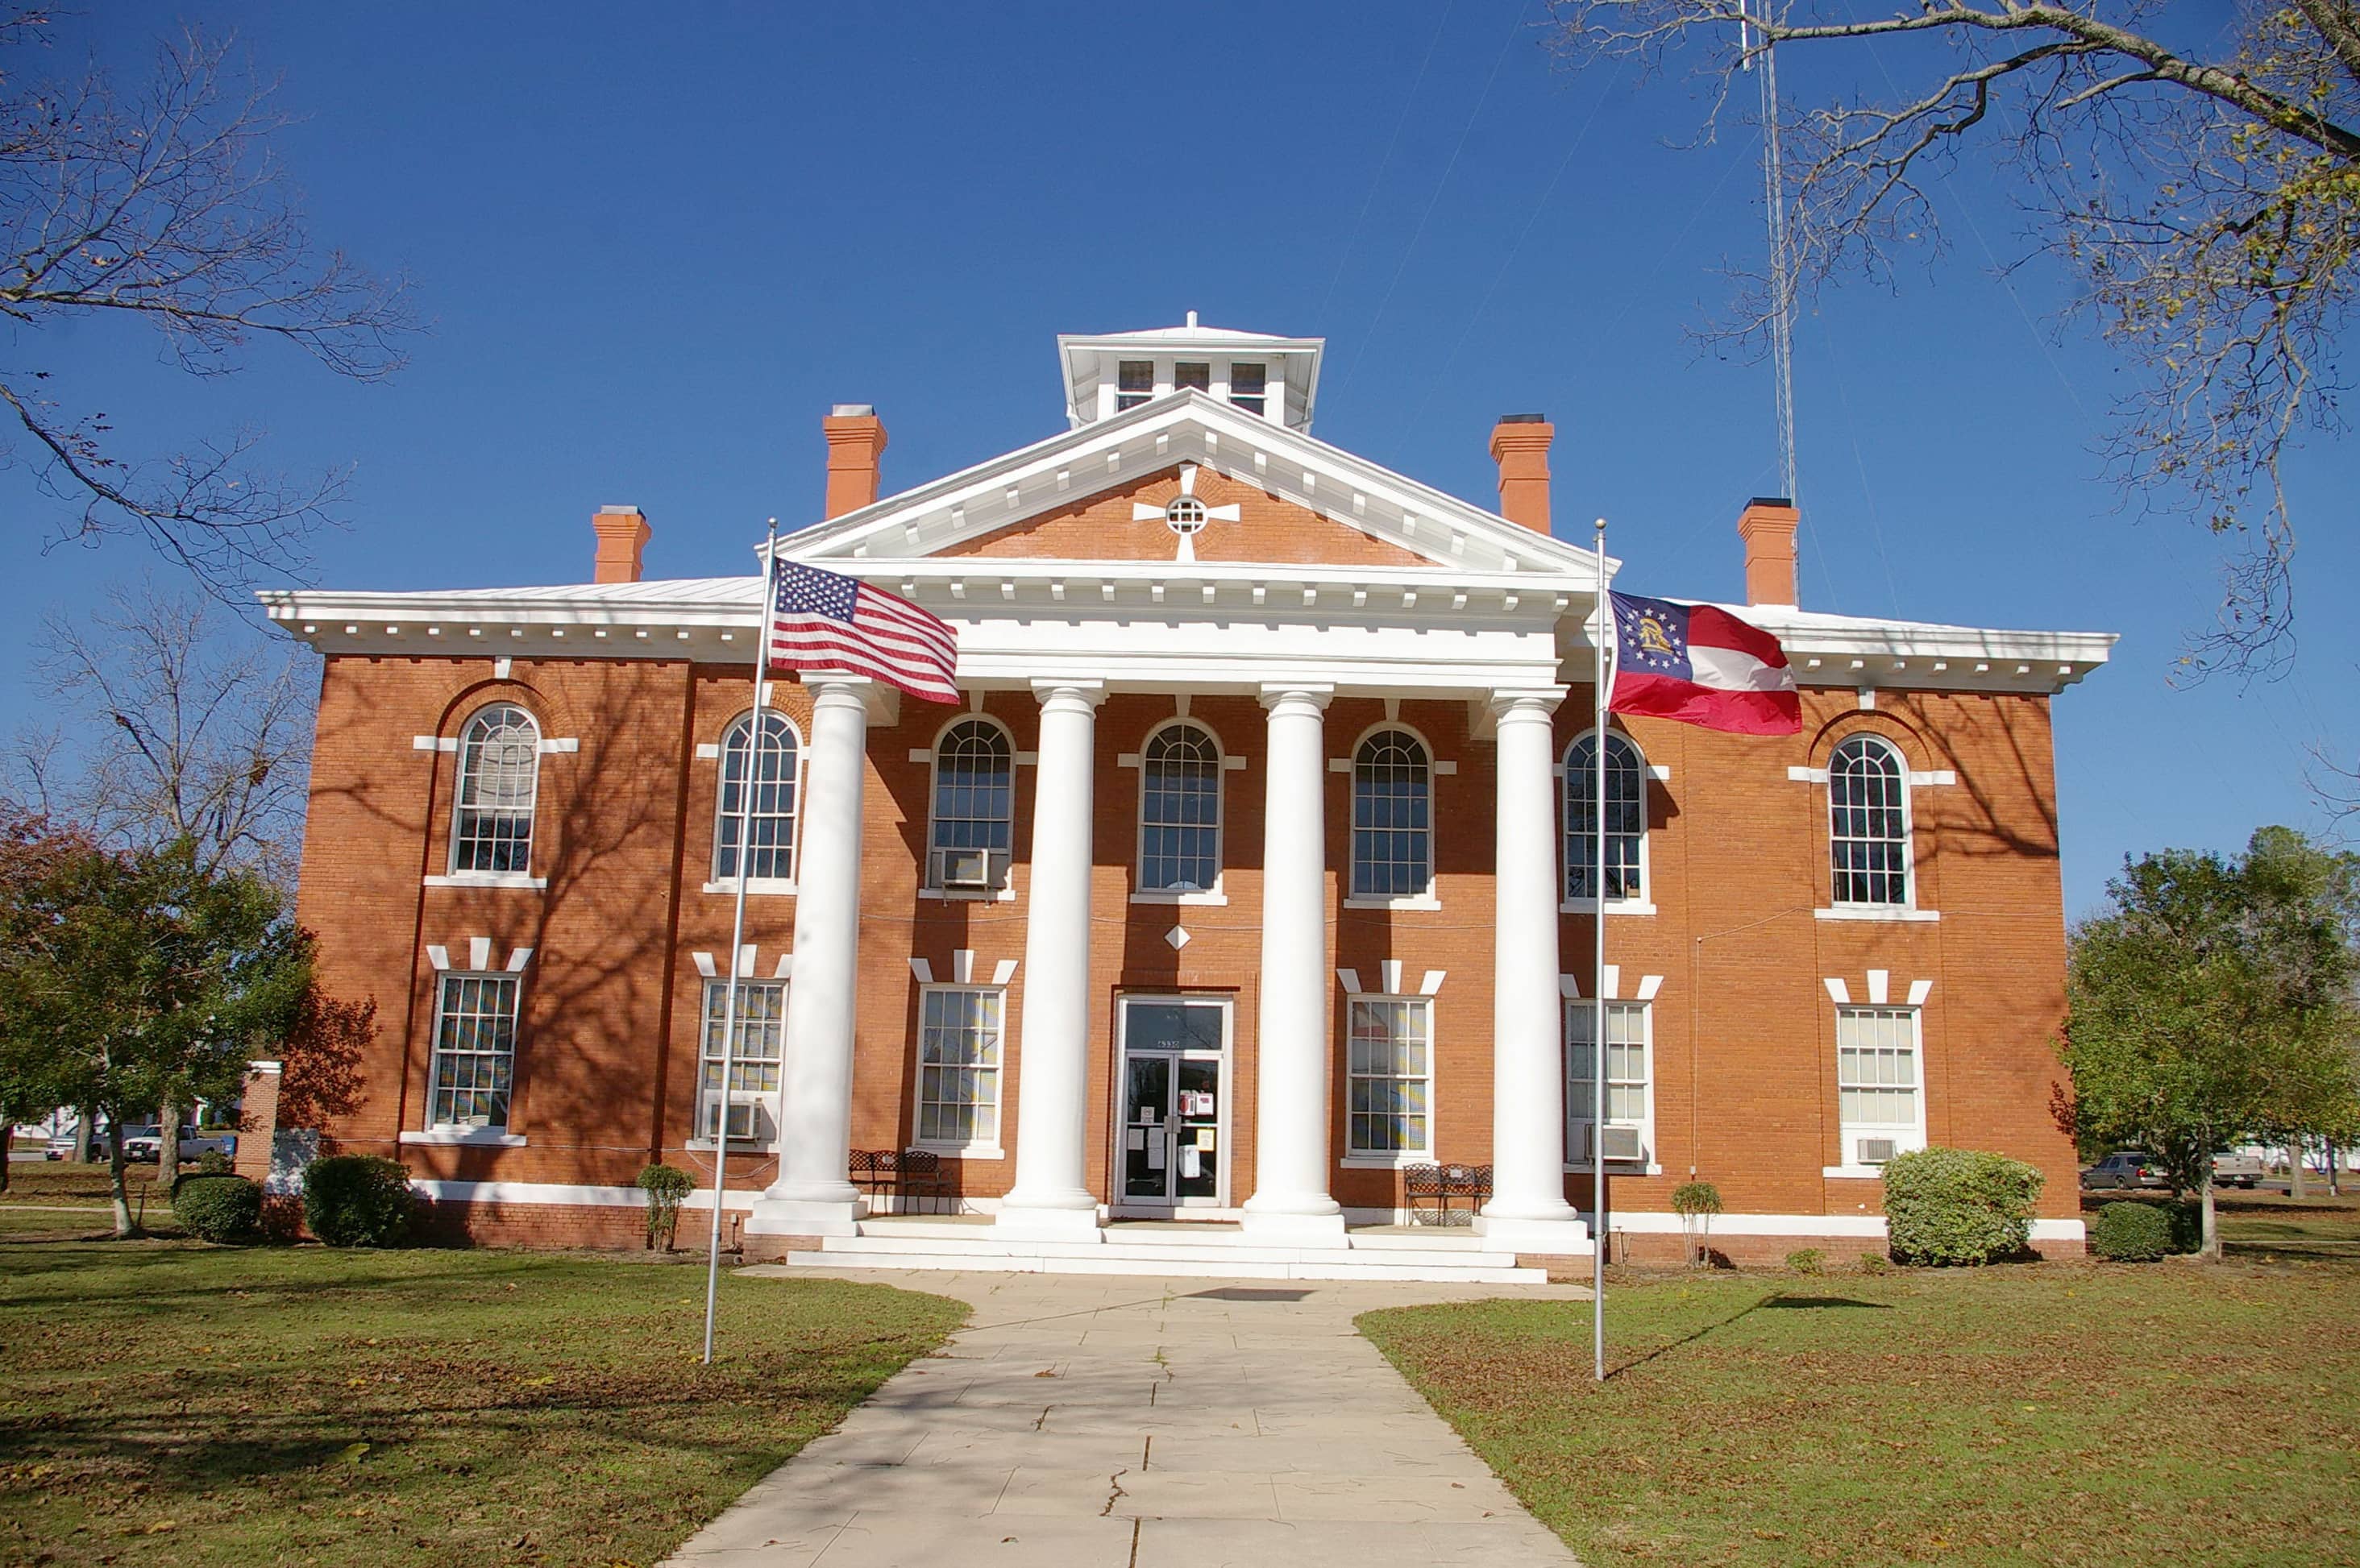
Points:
(1622, 1143)
(743, 1121)
(966, 869)
(1876, 1150)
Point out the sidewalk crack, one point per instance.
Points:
(1115, 1494)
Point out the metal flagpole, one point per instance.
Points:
(1605, 633)
(754, 732)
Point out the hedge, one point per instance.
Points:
(1959, 1205)
(218, 1208)
(358, 1200)
(2132, 1233)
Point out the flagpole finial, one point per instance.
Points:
(1600, 525)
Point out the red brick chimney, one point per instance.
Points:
(856, 441)
(622, 534)
(1520, 444)
(1767, 526)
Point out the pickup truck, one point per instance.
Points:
(2237, 1170)
(145, 1144)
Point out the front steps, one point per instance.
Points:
(1208, 1251)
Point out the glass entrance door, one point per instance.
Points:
(1175, 1106)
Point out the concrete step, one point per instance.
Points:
(1161, 1253)
(1034, 1258)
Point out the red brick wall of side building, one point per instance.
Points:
(1744, 1026)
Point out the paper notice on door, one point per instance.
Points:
(1191, 1167)
(1155, 1150)
(1197, 1102)
(1136, 1139)
(1205, 1140)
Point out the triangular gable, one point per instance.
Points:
(1245, 523)
(1121, 459)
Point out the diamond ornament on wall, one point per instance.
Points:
(1178, 937)
(1185, 514)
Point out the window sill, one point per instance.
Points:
(961, 1150)
(488, 879)
(467, 1138)
(961, 896)
(1385, 1162)
(1173, 896)
(737, 1146)
(1876, 912)
(1616, 1168)
(1614, 906)
(1424, 901)
(755, 886)
(1852, 1172)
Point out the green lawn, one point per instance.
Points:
(167, 1402)
(2172, 1412)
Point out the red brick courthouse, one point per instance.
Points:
(1217, 899)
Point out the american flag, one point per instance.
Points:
(823, 621)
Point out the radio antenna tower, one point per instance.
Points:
(1782, 286)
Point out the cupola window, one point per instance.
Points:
(1195, 373)
(1249, 387)
(1134, 383)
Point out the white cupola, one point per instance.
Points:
(1273, 377)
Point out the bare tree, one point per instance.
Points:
(161, 206)
(179, 723)
(2207, 196)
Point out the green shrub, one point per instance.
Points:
(218, 1208)
(1959, 1205)
(213, 1162)
(1807, 1260)
(665, 1186)
(2132, 1233)
(1693, 1198)
(1875, 1263)
(358, 1200)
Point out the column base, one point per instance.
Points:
(805, 1216)
(1020, 1222)
(1294, 1230)
(1558, 1237)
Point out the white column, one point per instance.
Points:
(1527, 1210)
(811, 1196)
(1294, 1039)
(1051, 1199)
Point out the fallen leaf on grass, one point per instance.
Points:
(352, 1451)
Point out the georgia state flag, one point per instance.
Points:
(1701, 666)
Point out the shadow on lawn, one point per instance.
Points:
(1775, 1300)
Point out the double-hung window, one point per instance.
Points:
(1195, 373)
(1879, 1086)
(474, 1052)
(1134, 383)
(753, 1094)
(974, 809)
(1629, 1120)
(769, 769)
(959, 1029)
(1180, 811)
(1868, 824)
(1626, 821)
(1249, 387)
(500, 783)
(1390, 1055)
(1392, 817)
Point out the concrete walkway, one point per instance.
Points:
(1140, 1423)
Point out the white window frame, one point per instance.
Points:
(1424, 899)
(1579, 1088)
(928, 880)
(460, 810)
(1870, 739)
(1357, 1156)
(769, 1032)
(1230, 393)
(1587, 787)
(1141, 892)
(984, 1144)
(1906, 1134)
(726, 818)
(446, 983)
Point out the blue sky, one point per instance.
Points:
(651, 253)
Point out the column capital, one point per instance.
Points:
(839, 687)
(1525, 702)
(1089, 693)
(1317, 693)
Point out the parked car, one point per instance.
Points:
(2237, 1170)
(145, 1144)
(2123, 1168)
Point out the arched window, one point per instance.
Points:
(975, 804)
(1626, 819)
(1180, 811)
(1868, 822)
(500, 778)
(1392, 817)
(770, 831)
